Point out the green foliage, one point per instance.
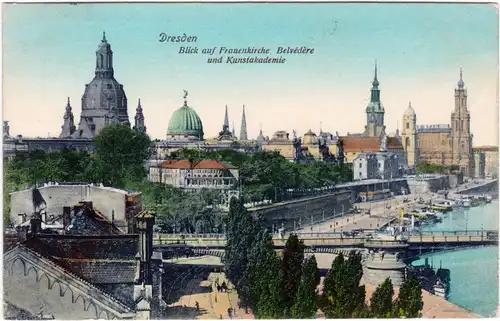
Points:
(120, 154)
(264, 278)
(268, 175)
(293, 256)
(409, 302)
(427, 168)
(342, 294)
(381, 300)
(306, 301)
(240, 237)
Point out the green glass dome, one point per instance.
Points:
(186, 122)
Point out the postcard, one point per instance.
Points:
(250, 160)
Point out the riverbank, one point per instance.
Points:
(382, 212)
(214, 305)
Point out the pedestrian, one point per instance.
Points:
(220, 317)
(197, 305)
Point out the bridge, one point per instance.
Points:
(414, 245)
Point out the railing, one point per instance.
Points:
(455, 233)
(388, 243)
(331, 237)
(189, 236)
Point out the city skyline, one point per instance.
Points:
(329, 87)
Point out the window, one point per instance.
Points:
(407, 125)
(360, 165)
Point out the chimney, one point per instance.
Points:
(22, 233)
(66, 217)
(36, 224)
(88, 204)
(144, 222)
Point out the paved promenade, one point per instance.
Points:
(383, 211)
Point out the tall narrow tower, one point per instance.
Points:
(409, 136)
(243, 130)
(139, 126)
(225, 126)
(461, 137)
(68, 127)
(375, 111)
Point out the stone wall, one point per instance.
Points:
(431, 184)
(305, 212)
(105, 200)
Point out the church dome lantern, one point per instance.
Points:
(185, 124)
(409, 111)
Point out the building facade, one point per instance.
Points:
(103, 103)
(190, 174)
(60, 275)
(490, 160)
(448, 144)
(117, 205)
(479, 164)
(380, 165)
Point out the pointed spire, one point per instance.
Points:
(226, 119)
(234, 130)
(243, 129)
(321, 127)
(260, 128)
(104, 36)
(375, 82)
(139, 125)
(68, 127)
(68, 106)
(139, 107)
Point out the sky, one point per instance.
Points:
(49, 55)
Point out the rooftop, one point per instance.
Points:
(197, 164)
(368, 144)
(78, 184)
(485, 148)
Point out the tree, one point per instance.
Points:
(293, 256)
(409, 302)
(342, 294)
(381, 300)
(264, 278)
(305, 303)
(121, 153)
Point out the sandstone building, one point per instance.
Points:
(441, 144)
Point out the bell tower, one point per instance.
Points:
(460, 131)
(409, 136)
(375, 111)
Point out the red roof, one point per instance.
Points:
(355, 144)
(198, 164)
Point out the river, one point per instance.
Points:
(474, 272)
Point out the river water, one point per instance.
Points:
(474, 272)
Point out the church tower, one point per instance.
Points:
(225, 133)
(68, 127)
(243, 131)
(409, 136)
(104, 101)
(139, 127)
(461, 137)
(375, 111)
